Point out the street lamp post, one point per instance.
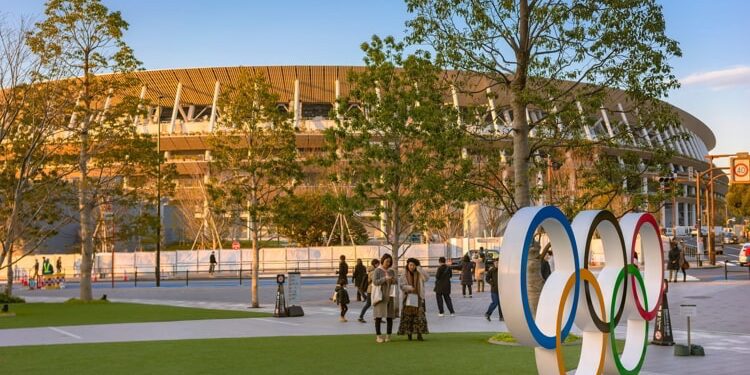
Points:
(157, 272)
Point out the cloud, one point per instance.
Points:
(720, 79)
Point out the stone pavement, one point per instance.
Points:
(720, 326)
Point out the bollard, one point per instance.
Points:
(187, 278)
(135, 279)
(240, 275)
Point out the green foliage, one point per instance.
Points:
(6, 298)
(402, 145)
(308, 219)
(738, 200)
(558, 59)
(78, 41)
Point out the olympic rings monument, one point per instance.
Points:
(574, 295)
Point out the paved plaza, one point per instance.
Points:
(720, 326)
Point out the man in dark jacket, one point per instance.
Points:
(343, 271)
(359, 278)
(492, 279)
(546, 269)
(212, 263)
(443, 287)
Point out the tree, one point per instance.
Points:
(738, 200)
(557, 59)
(32, 191)
(395, 151)
(310, 218)
(254, 160)
(79, 39)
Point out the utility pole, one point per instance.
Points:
(157, 271)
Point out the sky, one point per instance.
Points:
(714, 37)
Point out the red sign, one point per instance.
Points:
(740, 170)
(235, 245)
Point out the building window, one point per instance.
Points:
(313, 110)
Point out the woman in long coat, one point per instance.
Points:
(467, 275)
(384, 277)
(413, 319)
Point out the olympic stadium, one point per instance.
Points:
(188, 98)
(184, 111)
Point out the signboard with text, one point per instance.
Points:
(740, 170)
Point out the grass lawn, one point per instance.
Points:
(444, 353)
(68, 314)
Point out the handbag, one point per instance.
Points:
(377, 295)
(393, 291)
(412, 300)
(685, 265)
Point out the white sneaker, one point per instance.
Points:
(453, 314)
(379, 339)
(441, 315)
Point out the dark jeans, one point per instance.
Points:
(344, 309)
(368, 303)
(447, 298)
(464, 287)
(388, 323)
(495, 304)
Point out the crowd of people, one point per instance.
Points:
(404, 297)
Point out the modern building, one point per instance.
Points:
(185, 111)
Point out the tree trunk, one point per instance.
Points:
(9, 285)
(256, 268)
(86, 211)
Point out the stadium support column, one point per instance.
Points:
(493, 111)
(297, 106)
(137, 118)
(175, 108)
(214, 110)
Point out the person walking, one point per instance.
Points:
(479, 271)
(59, 265)
(368, 296)
(359, 278)
(443, 287)
(684, 264)
(36, 268)
(342, 299)
(493, 279)
(673, 264)
(384, 277)
(467, 274)
(343, 271)
(212, 263)
(413, 319)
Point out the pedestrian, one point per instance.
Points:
(212, 263)
(47, 267)
(343, 271)
(384, 277)
(467, 274)
(413, 318)
(493, 280)
(36, 268)
(342, 299)
(368, 297)
(545, 268)
(59, 265)
(443, 287)
(674, 261)
(684, 264)
(479, 271)
(359, 278)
